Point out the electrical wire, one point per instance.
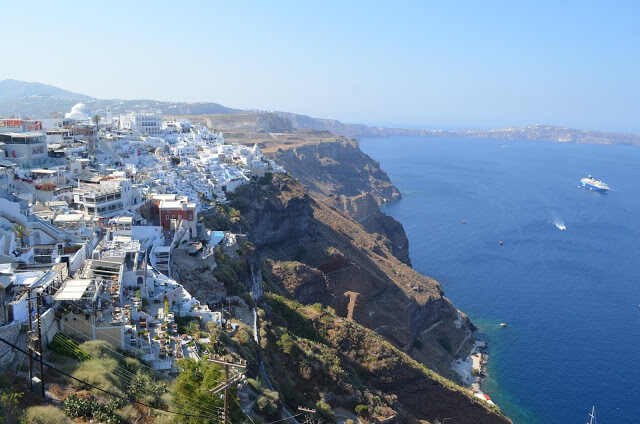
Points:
(100, 389)
(288, 418)
(127, 376)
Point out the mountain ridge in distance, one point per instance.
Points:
(38, 100)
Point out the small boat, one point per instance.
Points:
(501, 243)
(592, 415)
(503, 324)
(464, 222)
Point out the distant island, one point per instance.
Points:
(38, 100)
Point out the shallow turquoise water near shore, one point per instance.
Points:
(570, 298)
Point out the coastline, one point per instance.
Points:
(473, 370)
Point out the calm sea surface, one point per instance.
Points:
(570, 298)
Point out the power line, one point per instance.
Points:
(287, 418)
(198, 404)
(127, 377)
(103, 390)
(227, 382)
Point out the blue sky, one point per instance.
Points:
(439, 64)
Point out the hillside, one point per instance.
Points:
(314, 254)
(40, 100)
(11, 90)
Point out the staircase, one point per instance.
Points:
(35, 223)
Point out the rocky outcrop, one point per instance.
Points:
(259, 122)
(342, 176)
(279, 218)
(337, 168)
(196, 274)
(365, 210)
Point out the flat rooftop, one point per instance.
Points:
(175, 204)
(72, 290)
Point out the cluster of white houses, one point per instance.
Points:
(90, 215)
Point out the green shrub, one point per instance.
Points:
(289, 314)
(63, 345)
(287, 344)
(255, 384)
(362, 410)
(266, 406)
(323, 409)
(9, 401)
(192, 389)
(44, 415)
(74, 406)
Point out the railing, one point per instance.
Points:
(44, 226)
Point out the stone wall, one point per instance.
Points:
(10, 333)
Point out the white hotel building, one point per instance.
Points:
(146, 124)
(107, 199)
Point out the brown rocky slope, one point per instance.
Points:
(312, 251)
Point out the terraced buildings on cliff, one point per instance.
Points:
(124, 234)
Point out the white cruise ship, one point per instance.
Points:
(593, 184)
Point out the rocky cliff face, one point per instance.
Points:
(337, 168)
(355, 369)
(314, 252)
(340, 175)
(364, 209)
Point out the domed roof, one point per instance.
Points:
(79, 112)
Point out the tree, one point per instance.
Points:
(9, 401)
(192, 392)
(96, 119)
(21, 232)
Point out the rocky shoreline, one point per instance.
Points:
(473, 369)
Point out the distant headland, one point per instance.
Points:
(38, 100)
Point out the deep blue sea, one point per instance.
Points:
(570, 298)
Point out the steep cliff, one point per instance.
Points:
(337, 168)
(340, 175)
(316, 357)
(313, 252)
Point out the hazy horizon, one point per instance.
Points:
(411, 65)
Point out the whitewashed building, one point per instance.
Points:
(143, 123)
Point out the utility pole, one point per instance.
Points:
(308, 413)
(226, 394)
(227, 382)
(39, 304)
(34, 344)
(29, 339)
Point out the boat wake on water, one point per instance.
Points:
(559, 223)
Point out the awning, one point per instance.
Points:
(72, 290)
